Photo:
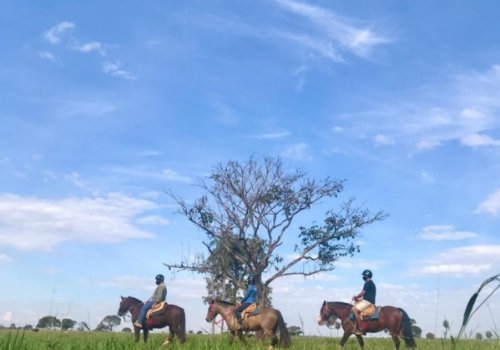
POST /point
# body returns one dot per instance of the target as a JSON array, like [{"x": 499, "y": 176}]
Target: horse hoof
[
  {"x": 166, "y": 343},
  {"x": 270, "y": 347}
]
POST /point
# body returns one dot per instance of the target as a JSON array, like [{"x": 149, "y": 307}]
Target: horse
[
  {"x": 265, "y": 323},
  {"x": 394, "y": 319},
  {"x": 171, "y": 315}
]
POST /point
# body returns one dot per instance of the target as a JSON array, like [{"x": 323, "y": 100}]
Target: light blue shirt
[{"x": 250, "y": 294}]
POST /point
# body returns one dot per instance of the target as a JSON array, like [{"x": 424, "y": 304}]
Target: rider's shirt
[
  {"x": 250, "y": 295},
  {"x": 160, "y": 293},
  {"x": 370, "y": 291}
]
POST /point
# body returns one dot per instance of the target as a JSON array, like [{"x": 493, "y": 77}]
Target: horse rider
[
  {"x": 159, "y": 295},
  {"x": 364, "y": 299},
  {"x": 249, "y": 298}
]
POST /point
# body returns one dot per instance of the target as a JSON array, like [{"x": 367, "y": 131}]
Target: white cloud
[
  {"x": 456, "y": 269},
  {"x": 461, "y": 261},
  {"x": 47, "y": 55},
  {"x": 477, "y": 140},
  {"x": 298, "y": 151},
  {"x": 172, "y": 175},
  {"x": 114, "y": 69},
  {"x": 383, "y": 140},
  {"x": 152, "y": 220},
  {"x": 89, "y": 47},
  {"x": 334, "y": 33},
  {"x": 444, "y": 232},
  {"x": 490, "y": 205},
  {"x": 5, "y": 258},
  {"x": 464, "y": 113},
  {"x": 273, "y": 135},
  {"x": 29, "y": 223},
  {"x": 54, "y": 34}
]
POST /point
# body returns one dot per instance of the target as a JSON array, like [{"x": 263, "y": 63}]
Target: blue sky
[{"x": 106, "y": 105}]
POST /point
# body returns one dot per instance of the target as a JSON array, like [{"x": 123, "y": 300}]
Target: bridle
[
  {"x": 213, "y": 313},
  {"x": 325, "y": 313}
]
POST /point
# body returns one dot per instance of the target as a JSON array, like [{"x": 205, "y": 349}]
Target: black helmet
[
  {"x": 367, "y": 274},
  {"x": 251, "y": 279},
  {"x": 159, "y": 278}
]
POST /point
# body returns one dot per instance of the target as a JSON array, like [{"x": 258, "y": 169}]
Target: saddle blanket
[
  {"x": 366, "y": 317},
  {"x": 251, "y": 310},
  {"x": 156, "y": 309}
]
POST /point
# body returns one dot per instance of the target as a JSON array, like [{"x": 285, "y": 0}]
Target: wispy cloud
[
  {"x": 89, "y": 47},
  {"x": 5, "y": 258},
  {"x": 333, "y": 33},
  {"x": 298, "y": 151},
  {"x": 61, "y": 33},
  {"x": 172, "y": 175},
  {"x": 55, "y": 34},
  {"x": 30, "y": 223},
  {"x": 114, "y": 69},
  {"x": 444, "y": 232},
  {"x": 465, "y": 113},
  {"x": 461, "y": 261},
  {"x": 490, "y": 205},
  {"x": 272, "y": 135}
]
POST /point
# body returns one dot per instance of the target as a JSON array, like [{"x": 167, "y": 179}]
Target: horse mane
[
  {"x": 341, "y": 303},
  {"x": 134, "y": 299}
]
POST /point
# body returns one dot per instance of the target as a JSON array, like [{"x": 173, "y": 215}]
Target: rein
[
  {"x": 341, "y": 313},
  {"x": 223, "y": 315}
]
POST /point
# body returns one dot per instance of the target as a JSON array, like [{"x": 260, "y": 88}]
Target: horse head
[
  {"x": 126, "y": 305},
  {"x": 326, "y": 316},
  {"x": 211, "y": 313}
]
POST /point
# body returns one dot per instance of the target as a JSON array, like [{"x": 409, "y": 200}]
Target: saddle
[
  {"x": 251, "y": 310},
  {"x": 371, "y": 313},
  {"x": 156, "y": 309}
]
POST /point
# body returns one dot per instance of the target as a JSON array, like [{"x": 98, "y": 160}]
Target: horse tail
[
  {"x": 182, "y": 326},
  {"x": 284, "y": 340},
  {"x": 407, "y": 330}
]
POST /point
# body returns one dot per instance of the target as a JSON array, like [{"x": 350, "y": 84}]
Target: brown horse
[
  {"x": 268, "y": 322},
  {"x": 394, "y": 319},
  {"x": 172, "y": 316}
]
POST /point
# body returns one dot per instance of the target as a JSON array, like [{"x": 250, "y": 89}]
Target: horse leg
[
  {"x": 231, "y": 337},
  {"x": 170, "y": 337},
  {"x": 240, "y": 335},
  {"x": 395, "y": 339},
  {"x": 137, "y": 333},
  {"x": 345, "y": 336},
  {"x": 360, "y": 341},
  {"x": 145, "y": 333}
]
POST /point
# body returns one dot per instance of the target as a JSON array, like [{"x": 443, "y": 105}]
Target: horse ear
[{"x": 122, "y": 297}]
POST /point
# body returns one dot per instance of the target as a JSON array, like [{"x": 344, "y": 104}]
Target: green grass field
[{"x": 18, "y": 340}]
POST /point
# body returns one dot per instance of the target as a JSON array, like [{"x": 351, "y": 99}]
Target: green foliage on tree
[
  {"x": 295, "y": 330},
  {"x": 108, "y": 323},
  {"x": 417, "y": 331},
  {"x": 248, "y": 211},
  {"x": 488, "y": 334},
  {"x": 478, "y": 336},
  {"x": 67, "y": 323},
  {"x": 430, "y": 336},
  {"x": 49, "y": 322}
]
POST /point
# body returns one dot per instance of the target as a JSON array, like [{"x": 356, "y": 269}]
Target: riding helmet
[
  {"x": 159, "y": 278},
  {"x": 367, "y": 273}
]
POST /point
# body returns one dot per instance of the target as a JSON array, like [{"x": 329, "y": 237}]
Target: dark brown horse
[
  {"x": 172, "y": 316},
  {"x": 269, "y": 321},
  {"x": 394, "y": 319}
]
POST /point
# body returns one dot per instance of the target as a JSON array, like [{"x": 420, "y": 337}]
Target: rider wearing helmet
[
  {"x": 159, "y": 295},
  {"x": 249, "y": 298},
  {"x": 365, "y": 298}
]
